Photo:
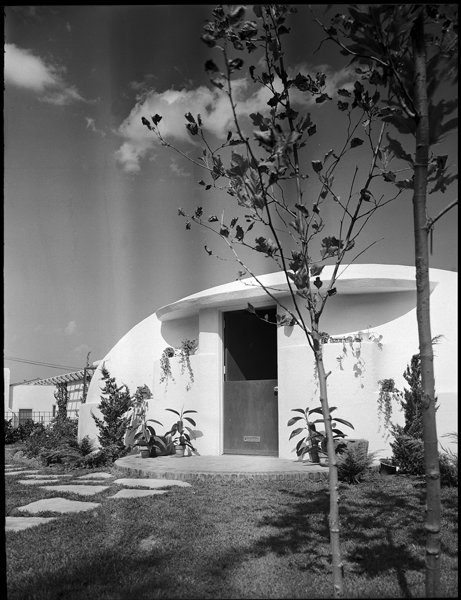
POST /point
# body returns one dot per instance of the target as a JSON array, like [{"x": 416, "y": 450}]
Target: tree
[
  {"x": 114, "y": 404},
  {"x": 410, "y": 50},
  {"x": 267, "y": 178}
]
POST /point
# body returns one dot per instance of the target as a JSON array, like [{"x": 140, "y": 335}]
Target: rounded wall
[{"x": 131, "y": 362}]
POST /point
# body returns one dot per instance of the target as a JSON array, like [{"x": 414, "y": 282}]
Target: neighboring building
[
  {"x": 249, "y": 375},
  {"x": 35, "y": 399}
]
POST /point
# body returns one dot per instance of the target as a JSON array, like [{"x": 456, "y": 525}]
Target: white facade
[{"x": 374, "y": 299}]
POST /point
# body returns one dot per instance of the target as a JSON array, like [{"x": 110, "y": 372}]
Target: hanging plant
[
  {"x": 387, "y": 393},
  {"x": 165, "y": 365},
  {"x": 188, "y": 347}
]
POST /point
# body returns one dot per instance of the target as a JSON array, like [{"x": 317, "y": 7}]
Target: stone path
[{"x": 83, "y": 486}]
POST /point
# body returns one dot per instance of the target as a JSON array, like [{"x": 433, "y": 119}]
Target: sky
[{"x": 93, "y": 243}]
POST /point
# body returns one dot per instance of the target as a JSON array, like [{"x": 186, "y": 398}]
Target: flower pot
[
  {"x": 387, "y": 469},
  {"x": 179, "y": 450},
  {"x": 145, "y": 452},
  {"x": 323, "y": 461}
]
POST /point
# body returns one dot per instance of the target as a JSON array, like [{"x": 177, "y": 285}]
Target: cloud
[
  {"x": 71, "y": 328},
  {"x": 90, "y": 124},
  {"x": 214, "y": 108},
  {"x": 25, "y": 70},
  {"x": 177, "y": 170}
]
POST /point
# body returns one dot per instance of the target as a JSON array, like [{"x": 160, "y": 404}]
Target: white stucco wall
[
  {"x": 6, "y": 388},
  {"x": 38, "y": 398},
  {"x": 375, "y": 298}
]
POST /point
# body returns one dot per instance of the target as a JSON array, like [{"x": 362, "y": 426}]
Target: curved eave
[{"x": 357, "y": 279}]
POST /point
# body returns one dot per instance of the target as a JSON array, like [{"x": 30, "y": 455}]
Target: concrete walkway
[{"x": 225, "y": 467}]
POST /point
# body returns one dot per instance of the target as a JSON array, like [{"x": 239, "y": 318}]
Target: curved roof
[{"x": 354, "y": 279}]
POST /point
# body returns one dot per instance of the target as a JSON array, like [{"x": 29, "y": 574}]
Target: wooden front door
[{"x": 250, "y": 400}]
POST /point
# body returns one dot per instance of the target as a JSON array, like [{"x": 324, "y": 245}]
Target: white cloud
[
  {"x": 71, "y": 328},
  {"x": 90, "y": 124},
  {"x": 177, "y": 170},
  {"x": 214, "y": 108},
  {"x": 25, "y": 70}
]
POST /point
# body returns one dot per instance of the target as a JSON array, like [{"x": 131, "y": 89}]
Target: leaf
[
  {"x": 396, "y": 147},
  {"x": 191, "y": 421},
  {"x": 210, "y": 67},
  {"x": 318, "y": 283},
  {"x": 322, "y": 98},
  {"x": 302, "y": 209},
  {"x": 239, "y": 233},
  {"x": 189, "y": 117},
  {"x": 156, "y": 119},
  {"x": 317, "y": 165},
  {"x": 356, "y": 142},
  {"x": 344, "y": 422},
  {"x": 300, "y": 410},
  {"x": 146, "y": 123},
  {"x": 296, "y": 432},
  {"x": 251, "y": 308},
  {"x": 212, "y": 219},
  {"x": 173, "y": 411},
  {"x": 343, "y": 92},
  {"x": 210, "y": 252}
]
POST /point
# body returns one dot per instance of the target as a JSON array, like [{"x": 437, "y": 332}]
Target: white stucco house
[
  {"x": 35, "y": 399},
  {"x": 248, "y": 375}
]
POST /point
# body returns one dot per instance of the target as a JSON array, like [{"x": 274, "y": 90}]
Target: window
[{"x": 24, "y": 415}]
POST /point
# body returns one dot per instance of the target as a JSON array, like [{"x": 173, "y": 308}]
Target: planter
[
  {"x": 145, "y": 452},
  {"x": 324, "y": 461},
  {"x": 179, "y": 450},
  {"x": 314, "y": 455},
  {"x": 387, "y": 469}
]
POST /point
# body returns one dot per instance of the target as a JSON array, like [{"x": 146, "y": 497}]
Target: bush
[
  {"x": 408, "y": 453},
  {"x": 114, "y": 404},
  {"x": 448, "y": 461},
  {"x": 86, "y": 446},
  {"x": 104, "y": 457},
  {"x": 53, "y": 443},
  {"x": 354, "y": 463},
  {"x": 11, "y": 434}
]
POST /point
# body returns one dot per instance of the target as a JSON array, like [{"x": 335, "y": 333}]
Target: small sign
[{"x": 251, "y": 438}]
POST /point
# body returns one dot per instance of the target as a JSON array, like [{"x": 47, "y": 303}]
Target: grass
[{"x": 240, "y": 539}]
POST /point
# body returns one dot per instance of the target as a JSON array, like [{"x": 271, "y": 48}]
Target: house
[
  {"x": 35, "y": 399},
  {"x": 247, "y": 375}
]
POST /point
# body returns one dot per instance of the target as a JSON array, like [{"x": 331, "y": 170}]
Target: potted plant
[
  {"x": 387, "y": 466},
  {"x": 180, "y": 434},
  {"x": 315, "y": 442},
  {"x": 139, "y": 432}
]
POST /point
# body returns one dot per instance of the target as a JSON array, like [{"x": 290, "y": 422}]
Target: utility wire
[{"x": 42, "y": 364}]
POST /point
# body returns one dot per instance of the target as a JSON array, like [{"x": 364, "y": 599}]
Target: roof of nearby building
[
  {"x": 352, "y": 279},
  {"x": 66, "y": 378}
]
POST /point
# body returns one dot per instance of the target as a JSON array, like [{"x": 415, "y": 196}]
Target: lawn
[{"x": 240, "y": 539}]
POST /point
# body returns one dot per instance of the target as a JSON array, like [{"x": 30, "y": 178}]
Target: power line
[{"x": 41, "y": 364}]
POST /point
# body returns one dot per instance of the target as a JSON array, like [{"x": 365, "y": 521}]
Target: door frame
[{"x": 236, "y": 306}]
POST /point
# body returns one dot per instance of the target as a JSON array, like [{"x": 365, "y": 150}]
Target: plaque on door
[{"x": 251, "y": 438}]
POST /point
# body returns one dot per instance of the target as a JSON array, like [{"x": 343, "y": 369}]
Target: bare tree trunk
[
  {"x": 431, "y": 456},
  {"x": 337, "y": 565}
]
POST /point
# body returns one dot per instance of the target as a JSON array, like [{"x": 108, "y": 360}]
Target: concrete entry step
[{"x": 227, "y": 466}]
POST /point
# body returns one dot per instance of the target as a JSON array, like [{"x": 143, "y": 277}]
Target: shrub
[
  {"x": 60, "y": 434},
  {"x": 354, "y": 463},
  {"x": 448, "y": 461},
  {"x": 114, "y": 404},
  {"x": 86, "y": 446},
  {"x": 408, "y": 453},
  {"x": 102, "y": 458},
  {"x": 11, "y": 434}
]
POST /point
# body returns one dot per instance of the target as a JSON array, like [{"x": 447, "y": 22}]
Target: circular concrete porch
[{"x": 225, "y": 467}]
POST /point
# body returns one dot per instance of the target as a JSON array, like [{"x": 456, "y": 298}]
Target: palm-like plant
[
  {"x": 181, "y": 431},
  {"x": 311, "y": 442}
]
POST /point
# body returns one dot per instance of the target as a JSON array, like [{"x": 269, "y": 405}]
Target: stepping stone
[
  {"x": 96, "y": 476},
  {"x": 21, "y": 523},
  {"x": 36, "y": 481},
  {"x": 137, "y": 493},
  {"x": 82, "y": 490},
  {"x": 21, "y": 472},
  {"x": 61, "y": 505},
  {"x": 151, "y": 483}
]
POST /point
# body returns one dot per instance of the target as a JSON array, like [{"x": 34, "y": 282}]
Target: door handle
[{"x": 276, "y": 390}]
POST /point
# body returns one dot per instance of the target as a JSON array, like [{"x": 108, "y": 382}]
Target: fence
[{"x": 37, "y": 417}]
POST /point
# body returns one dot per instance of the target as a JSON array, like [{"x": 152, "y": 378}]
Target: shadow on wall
[
  {"x": 175, "y": 331},
  {"x": 366, "y": 310}
]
